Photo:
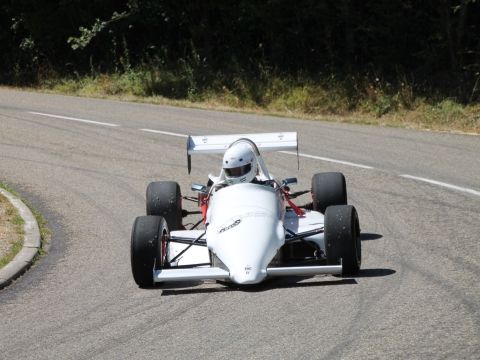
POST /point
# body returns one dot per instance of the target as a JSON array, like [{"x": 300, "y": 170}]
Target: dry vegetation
[
  {"x": 11, "y": 231},
  {"x": 375, "y": 102}
]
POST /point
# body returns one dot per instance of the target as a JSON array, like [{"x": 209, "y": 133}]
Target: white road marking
[
  {"x": 73, "y": 119},
  {"x": 164, "y": 133},
  {"x": 434, "y": 182},
  {"x": 327, "y": 159},
  {"x": 439, "y": 183}
]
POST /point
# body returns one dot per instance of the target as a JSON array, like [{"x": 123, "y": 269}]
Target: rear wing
[{"x": 218, "y": 144}]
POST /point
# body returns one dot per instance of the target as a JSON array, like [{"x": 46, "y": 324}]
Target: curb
[{"x": 31, "y": 243}]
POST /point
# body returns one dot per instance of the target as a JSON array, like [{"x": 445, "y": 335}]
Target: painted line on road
[
  {"x": 348, "y": 163},
  {"x": 327, "y": 159},
  {"x": 439, "y": 183},
  {"x": 73, "y": 119},
  {"x": 283, "y": 152},
  {"x": 164, "y": 133}
]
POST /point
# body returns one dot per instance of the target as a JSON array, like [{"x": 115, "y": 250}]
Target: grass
[
  {"x": 352, "y": 100},
  {"x": 14, "y": 250},
  {"x": 12, "y": 224},
  {"x": 18, "y": 221}
]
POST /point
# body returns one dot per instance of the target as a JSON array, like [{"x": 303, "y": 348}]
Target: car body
[{"x": 252, "y": 231}]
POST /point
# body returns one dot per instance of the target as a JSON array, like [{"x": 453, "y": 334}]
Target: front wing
[{"x": 215, "y": 273}]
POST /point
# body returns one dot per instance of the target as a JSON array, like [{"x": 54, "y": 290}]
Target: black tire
[
  {"x": 328, "y": 189},
  {"x": 342, "y": 240},
  {"x": 165, "y": 199},
  {"x": 146, "y": 253}
]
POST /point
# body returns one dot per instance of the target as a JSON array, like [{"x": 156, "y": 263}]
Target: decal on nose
[{"x": 228, "y": 227}]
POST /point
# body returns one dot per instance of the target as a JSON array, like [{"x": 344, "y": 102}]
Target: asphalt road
[{"x": 417, "y": 297}]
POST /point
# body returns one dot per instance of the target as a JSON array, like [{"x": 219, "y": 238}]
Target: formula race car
[{"x": 252, "y": 228}]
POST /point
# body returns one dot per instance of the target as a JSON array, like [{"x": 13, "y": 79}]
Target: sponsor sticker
[
  {"x": 235, "y": 221},
  {"x": 228, "y": 227}
]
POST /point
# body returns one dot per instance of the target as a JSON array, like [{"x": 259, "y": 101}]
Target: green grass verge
[
  {"x": 18, "y": 221},
  {"x": 349, "y": 100},
  {"x": 16, "y": 241},
  {"x": 14, "y": 250}
]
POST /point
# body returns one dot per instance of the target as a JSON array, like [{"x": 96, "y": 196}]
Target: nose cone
[
  {"x": 248, "y": 275},
  {"x": 245, "y": 231}
]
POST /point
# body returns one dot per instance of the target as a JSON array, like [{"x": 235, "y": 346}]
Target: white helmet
[{"x": 239, "y": 164}]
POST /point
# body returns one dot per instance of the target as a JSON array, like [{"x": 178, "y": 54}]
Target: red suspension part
[
  {"x": 203, "y": 202},
  {"x": 295, "y": 208}
]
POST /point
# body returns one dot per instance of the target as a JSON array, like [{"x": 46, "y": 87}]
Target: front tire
[
  {"x": 342, "y": 240},
  {"x": 328, "y": 189},
  {"x": 147, "y": 251},
  {"x": 165, "y": 199}
]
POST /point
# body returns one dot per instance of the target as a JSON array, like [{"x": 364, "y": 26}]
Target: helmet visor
[{"x": 238, "y": 171}]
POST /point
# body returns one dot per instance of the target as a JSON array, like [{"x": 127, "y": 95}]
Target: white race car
[{"x": 252, "y": 229}]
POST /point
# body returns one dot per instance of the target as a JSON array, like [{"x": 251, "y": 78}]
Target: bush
[
  {"x": 447, "y": 112},
  {"x": 302, "y": 95}
]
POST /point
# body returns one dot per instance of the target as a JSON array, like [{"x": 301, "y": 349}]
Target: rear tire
[
  {"x": 328, "y": 189},
  {"x": 147, "y": 249},
  {"x": 165, "y": 199},
  {"x": 342, "y": 240}
]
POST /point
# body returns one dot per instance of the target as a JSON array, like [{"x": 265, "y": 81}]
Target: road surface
[{"x": 85, "y": 165}]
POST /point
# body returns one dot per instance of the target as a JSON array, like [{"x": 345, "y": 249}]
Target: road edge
[{"x": 31, "y": 242}]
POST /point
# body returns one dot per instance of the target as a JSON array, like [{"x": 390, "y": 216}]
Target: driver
[{"x": 240, "y": 164}]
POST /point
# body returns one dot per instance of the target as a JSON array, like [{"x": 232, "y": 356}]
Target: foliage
[
  {"x": 191, "y": 48},
  {"x": 86, "y": 35},
  {"x": 291, "y": 96}
]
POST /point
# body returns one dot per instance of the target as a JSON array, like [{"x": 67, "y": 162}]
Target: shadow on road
[
  {"x": 199, "y": 287},
  {"x": 270, "y": 284},
  {"x": 366, "y": 273},
  {"x": 370, "y": 236}
]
